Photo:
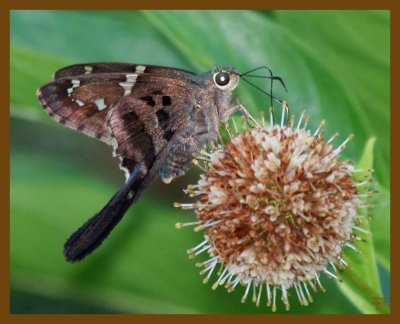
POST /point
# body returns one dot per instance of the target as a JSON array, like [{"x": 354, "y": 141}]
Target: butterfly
[{"x": 156, "y": 119}]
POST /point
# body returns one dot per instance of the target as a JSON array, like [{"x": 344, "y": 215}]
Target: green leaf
[
  {"x": 380, "y": 226},
  {"x": 380, "y": 213},
  {"x": 367, "y": 158},
  {"x": 361, "y": 283}
]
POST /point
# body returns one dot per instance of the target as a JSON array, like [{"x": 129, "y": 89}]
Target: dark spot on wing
[
  {"x": 168, "y": 134},
  {"x": 162, "y": 117},
  {"x": 149, "y": 99},
  {"x": 130, "y": 117},
  {"x": 166, "y": 101},
  {"x": 137, "y": 142}
]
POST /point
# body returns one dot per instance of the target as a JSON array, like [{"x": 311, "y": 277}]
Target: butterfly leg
[{"x": 235, "y": 105}]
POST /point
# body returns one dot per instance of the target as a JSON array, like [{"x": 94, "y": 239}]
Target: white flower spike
[{"x": 277, "y": 207}]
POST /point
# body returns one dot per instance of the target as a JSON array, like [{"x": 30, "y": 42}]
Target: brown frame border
[{"x": 6, "y": 6}]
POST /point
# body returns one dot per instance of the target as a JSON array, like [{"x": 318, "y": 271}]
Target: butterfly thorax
[{"x": 213, "y": 101}]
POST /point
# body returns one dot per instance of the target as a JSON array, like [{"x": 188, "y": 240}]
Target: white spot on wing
[
  {"x": 140, "y": 69},
  {"x": 131, "y": 79},
  {"x": 75, "y": 84},
  {"x": 80, "y": 103},
  {"x": 88, "y": 69},
  {"x": 126, "y": 85},
  {"x": 100, "y": 104},
  {"x": 127, "y": 92}
]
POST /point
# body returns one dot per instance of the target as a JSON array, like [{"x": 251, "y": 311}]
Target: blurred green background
[{"x": 335, "y": 64}]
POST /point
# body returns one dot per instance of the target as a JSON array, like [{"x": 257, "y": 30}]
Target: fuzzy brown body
[{"x": 156, "y": 118}]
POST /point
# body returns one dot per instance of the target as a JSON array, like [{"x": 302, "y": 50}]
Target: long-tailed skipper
[{"x": 156, "y": 118}]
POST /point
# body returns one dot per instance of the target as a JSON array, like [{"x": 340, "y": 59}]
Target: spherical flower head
[{"x": 277, "y": 207}]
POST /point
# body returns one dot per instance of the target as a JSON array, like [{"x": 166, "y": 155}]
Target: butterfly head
[{"x": 225, "y": 78}]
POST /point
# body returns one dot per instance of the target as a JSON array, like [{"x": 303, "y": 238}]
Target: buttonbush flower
[{"x": 278, "y": 207}]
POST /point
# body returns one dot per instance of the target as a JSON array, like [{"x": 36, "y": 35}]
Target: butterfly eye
[{"x": 222, "y": 79}]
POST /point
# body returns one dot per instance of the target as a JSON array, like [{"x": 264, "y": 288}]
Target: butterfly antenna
[
  {"x": 270, "y": 76},
  {"x": 263, "y": 91}
]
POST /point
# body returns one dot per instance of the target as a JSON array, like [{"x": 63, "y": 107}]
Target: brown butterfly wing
[
  {"x": 138, "y": 114},
  {"x": 83, "y": 102},
  {"x": 143, "y": 123}
]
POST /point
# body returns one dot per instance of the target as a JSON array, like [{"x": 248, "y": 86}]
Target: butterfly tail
[{"x": 91, "y": 234}]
